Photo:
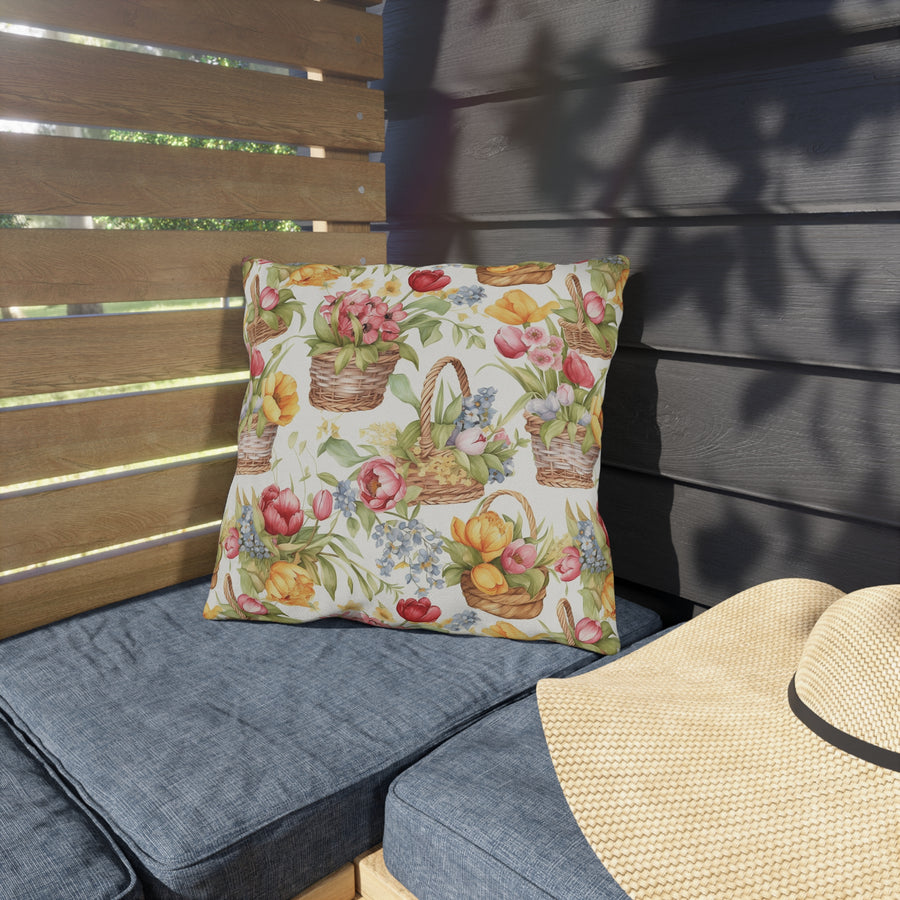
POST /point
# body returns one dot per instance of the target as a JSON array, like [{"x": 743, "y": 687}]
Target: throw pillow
[{"x": 420, "y": 448}]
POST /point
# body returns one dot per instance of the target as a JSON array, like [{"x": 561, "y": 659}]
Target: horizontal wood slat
[
  {"x": 46, "y": 355},
  {"x": 771, "y": 289},
  {"x": 30, "y": 602},
  {"x": 55, "y": 81},
  {"x": 43, "y": 175},
  {"x": 826, "y": 441},
  {"x": 70, "y": 520},
  {"x": 473, "y": 48},
  {"x": 705, "y": 545},
  {"x": 812, "y": 137},
  {"x": 295, "y": 33},
  {"x": 43, "y": 267},
  {"x": 70, "y": 438}
]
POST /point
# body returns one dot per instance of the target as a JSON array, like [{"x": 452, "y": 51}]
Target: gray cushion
[
  {"x": 483, "y": 817},
  {"x": 50, "y": 847},
  {"x": 248, "y": 760}
]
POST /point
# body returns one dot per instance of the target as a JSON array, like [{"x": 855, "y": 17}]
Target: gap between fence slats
[
  {"x": 71, "y": 438},
  {"x": 41, "y": 175},
  {"x": 70, "y": 520},
  {"x": 29, "y": 602},
  {"x": 63, "y": 354},
  {"x": 43, "y": 267},
  {"x": 294, "y": 33},
  {"x": 55, "y": 81}
]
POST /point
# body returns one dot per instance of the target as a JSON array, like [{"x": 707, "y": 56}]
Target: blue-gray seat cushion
[
  {"x": 483, "y": 817},
  {"x": 249, "y": 760},
  {"x": 50, "y": 847}
]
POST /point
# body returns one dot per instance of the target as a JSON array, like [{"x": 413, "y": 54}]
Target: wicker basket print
[
  {"x": 349, "y": 390},
  {"x": 516, "y": 603},
  {"x": 254, "y": 452},
  {"x": 258, "y": 330},
  {"x": 577, "y": 334},
  {"x": 433, "y": 490},
  {"x": 562, "y": 464}
]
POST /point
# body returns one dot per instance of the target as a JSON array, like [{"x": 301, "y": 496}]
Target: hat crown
[{"x": 849, "y": 671}]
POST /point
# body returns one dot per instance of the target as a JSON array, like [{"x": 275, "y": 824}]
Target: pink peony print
[{"x": 381, "y": 486}]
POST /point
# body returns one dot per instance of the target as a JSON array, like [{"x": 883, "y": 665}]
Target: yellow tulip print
[{"x": 518, "y": 308}]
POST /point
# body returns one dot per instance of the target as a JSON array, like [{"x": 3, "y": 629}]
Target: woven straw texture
[{"x": 708, "y": 786}]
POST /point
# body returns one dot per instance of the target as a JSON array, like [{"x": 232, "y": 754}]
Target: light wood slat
[
  {"x": 471, "y": 48},
  {"x": 770, "y": 289},
  {"x": 43, "y": 175},
  {"x": 812, "y": 137},
  {"x": 826, "y": 440},
  {"x": 46, "y": 355},
  {"x": 70, "y": 520},
  {"x": 70, "y": 438},
  {"x": 30, "y": 602},
  {"x": 55, "y": 81},
  {"x": 705, "y": 545},
  {"x": 43, "y": 267},
  {"x": 325, "y": 224},
  {"x": 295, "y": 33},
  {"x": 339, "y": 885},
  {"x": 375, "y": 881}
]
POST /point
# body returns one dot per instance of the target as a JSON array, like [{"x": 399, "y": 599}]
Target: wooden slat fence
[{"x": 141, "y": 507}]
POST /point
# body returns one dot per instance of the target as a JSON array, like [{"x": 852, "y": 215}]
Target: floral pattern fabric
[{"x": 420, "y": 448}]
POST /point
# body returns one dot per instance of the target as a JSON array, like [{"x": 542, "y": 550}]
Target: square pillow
[{"x": 420, "y": 448}]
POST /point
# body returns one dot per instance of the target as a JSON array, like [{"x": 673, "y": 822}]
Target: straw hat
[{"x": 753, "y": 752}]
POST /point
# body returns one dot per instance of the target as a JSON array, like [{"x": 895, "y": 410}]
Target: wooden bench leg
[{"x": 374, "y": 882}]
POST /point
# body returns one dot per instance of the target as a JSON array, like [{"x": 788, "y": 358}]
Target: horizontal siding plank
[
  {"x": 294, "y": 33},
  {"x": 706, "y": 546},
  {"x": 44, "y": 267},
  {"x": 784, "y": 288},
  {"x": 70, "y": 520},
  {"x": 41, "y": 175},
  {"x": 47, "y": 355},
  {"x": 55, "y": 81},
  {"x": 816, "y": 137},
  {"x": 821, "y": 439},
  {"x": 71, "y": 438},
  {"x": 469, "y": 48},
  {"x": 31, "y": 602}
]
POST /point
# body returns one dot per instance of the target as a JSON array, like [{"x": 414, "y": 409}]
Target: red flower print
[
  {"x": 578, "y": 371},
  {"x": 257, "y": 363},
  {"x": 588, "y": 631},
  {"x": 518, "y": 557},
  {"x": 418, "y": 609},
  {"x": 425, "y": 280},
  {"x": 322, "y": 504},
  {"x": 594, "y": 306},
  {"x": 380, "y": 484},
  {"x": 232, "y": 543},
  {"x": 268, "y": 298},
  {"x": 281, "y": 511},
  {"x": 251, "y": 605},
  {"x": 568, "y": 566},
  {"x": 509, "y": 341}
]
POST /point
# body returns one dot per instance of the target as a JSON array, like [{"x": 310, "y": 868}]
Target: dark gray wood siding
[{"x": 746, "y": 157}]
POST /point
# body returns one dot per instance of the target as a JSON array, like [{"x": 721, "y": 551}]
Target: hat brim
[{"x": 690, "y": 776}]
